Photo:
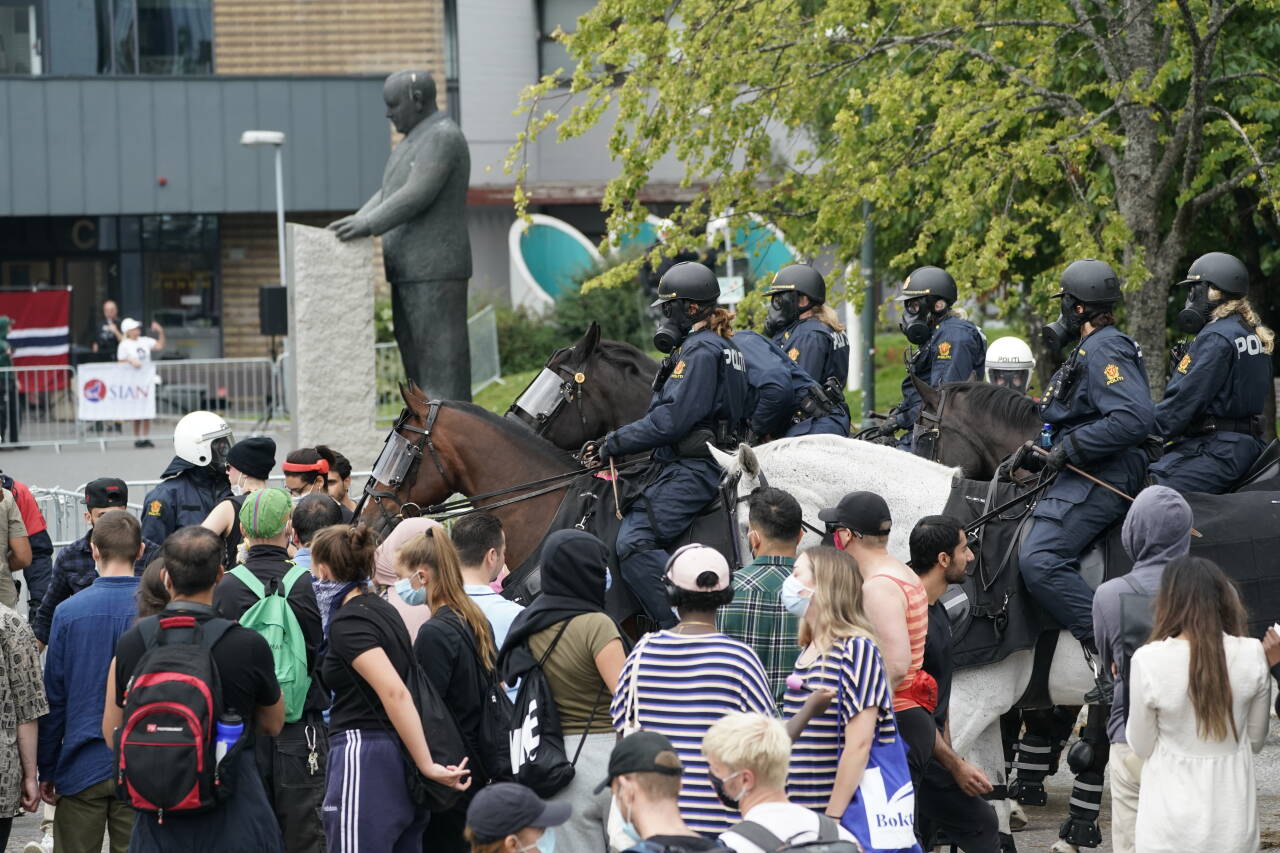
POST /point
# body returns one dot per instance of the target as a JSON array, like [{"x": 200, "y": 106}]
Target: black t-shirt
[
  {"x": 937, "y": 658},
  {"x": 365, "y": 622},
  {"x": 451, "y": 665},
  {"x": 233, "y": 538},
  {"x": 246, "y": 667}
]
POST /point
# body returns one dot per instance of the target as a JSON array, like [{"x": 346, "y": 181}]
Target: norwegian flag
[{"x": 39, "y": 335}]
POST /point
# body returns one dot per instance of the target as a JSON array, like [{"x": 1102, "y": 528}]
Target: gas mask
[
  {"x": 1191, "y": 319},
  {"x": 914, "y": 321},
  {"x": 675, "y": 326},
  {"x": 1066, "y": 328},
  {"x": 784, "y": 308}
]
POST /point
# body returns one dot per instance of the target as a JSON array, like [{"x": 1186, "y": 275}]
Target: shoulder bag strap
[
  {"x": 828, "y": 829},
  {"x": 563, "y": 626},
  {"x": 631, "y": 720},
  {"x": 595, "y": 706},
  {"x": 758, "y": 835},
  {"x": 465, "y": 630},
  {"x": 246, "y": 577},
  {"x": 290, "y": 578}
]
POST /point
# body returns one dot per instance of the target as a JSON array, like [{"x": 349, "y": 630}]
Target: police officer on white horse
[
  {"x": 1010, "y": 364},
  {"x": 1211, "y": 413}
]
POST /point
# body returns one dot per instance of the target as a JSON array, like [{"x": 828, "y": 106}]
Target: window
[
  {"x": 563, "y": 14},
  {"x": 19, "y": 40},
  {"x": 165, "y": 37},
  {"x": 452, "y": 91}
]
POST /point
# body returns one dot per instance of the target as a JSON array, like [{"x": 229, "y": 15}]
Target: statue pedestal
[{"x": 330, "y": 348}]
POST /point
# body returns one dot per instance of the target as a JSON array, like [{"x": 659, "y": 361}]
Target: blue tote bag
[{"x": 882, "y": 814}]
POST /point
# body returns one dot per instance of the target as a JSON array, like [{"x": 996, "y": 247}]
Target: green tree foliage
[{"x": 1000, "y": 139}]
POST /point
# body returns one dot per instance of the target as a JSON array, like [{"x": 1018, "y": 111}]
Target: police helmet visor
[
  {"x": 1005, "y": 377},
  {"x": 914, "y": 304},
  {"x": 540, "y": 400},
  {"x": 393, "y": 463},
  {"x": 219, "y": 448}
]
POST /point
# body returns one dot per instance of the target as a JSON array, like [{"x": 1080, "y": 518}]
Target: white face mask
[{"x": 237, "y": 488}]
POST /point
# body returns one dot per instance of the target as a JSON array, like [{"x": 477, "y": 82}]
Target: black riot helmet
[
  {"x": 684, "y": 284},
  {"x": 783, "y": 293},
  {"x": 1217, "y": 270},
  {"x": 1089, "y": 282},
  {"x": 920, "y": 291}
]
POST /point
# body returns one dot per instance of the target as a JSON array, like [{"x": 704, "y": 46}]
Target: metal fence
[{"x": 38, "y": 406}]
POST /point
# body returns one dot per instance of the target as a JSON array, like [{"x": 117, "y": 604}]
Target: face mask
[
  {"x": 795, "y": 596},
  {"x": 237, "y": 488},
  {"x": 783, "y": 311},
  {"x": 1192, "y": 318},
  {"x": 629, "y": 828},
  {"x": 1066, "y": 328},
  {"x": 409, "y": 595},
  {"x": 608, "y": 579},
  {"x": 545, "y": 844},
  {"x": 675, "y": 326},
  {"x": 718, "y": 784},
  {"x": 914, "y": 322}
]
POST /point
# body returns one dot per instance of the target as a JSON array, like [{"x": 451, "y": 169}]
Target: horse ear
[
  {"x": 590, "y": 340},
  {"x": 926, "y": 391},
  {"x": 407, "y": 390},
  {"x": 726, "y": 461},
  {"x": 747, "y": 458}
]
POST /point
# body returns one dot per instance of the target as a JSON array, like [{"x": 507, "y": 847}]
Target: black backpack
[
  {"x": 165, "y": 760},
  {"x": 537, "y": 754},
  {"x": 828, "y": 840},
  {"x": 1137, "y": 618},
  {"x": 492, "y": 747}
]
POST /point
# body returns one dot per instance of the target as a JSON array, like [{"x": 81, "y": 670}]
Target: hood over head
[{"x": 1157, "y": 528}]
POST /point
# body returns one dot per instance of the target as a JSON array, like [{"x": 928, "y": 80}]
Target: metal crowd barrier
[{"x": 38, "y": 406}]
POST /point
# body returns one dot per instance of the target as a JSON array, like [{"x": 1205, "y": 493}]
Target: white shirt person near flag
[{"x": 135, "y": 349}]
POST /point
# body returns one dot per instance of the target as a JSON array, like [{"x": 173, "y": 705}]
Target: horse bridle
[
  {"x": 415, "y": 450},
  {"x": 925, "y": 441},
  {"x": 571, "y": 390}
]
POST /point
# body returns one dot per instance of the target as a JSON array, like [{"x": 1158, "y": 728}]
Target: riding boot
[
  {"x": 1087, "y": 758},
  {"x": 1103, "y": 685}
]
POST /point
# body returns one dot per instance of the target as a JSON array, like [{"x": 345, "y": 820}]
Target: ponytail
[
  {"x": 346, "y": 551},
  {"x": 1242, "y": 307},
  {"x": 721, "y": 322},
  {"x": 827, "y": 314}
]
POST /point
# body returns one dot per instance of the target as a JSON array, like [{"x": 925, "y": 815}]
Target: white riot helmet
[
  {"x": 1010, "y": 363},
  {"x": 203, "y": 438}
]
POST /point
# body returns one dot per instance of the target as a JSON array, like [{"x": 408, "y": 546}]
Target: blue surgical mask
[
  {"x": 545, "y": 844},
  {"x": 409, "y": 595},
  {"x": 629, "y": 828},
  {"x": 795, "y": 596}
]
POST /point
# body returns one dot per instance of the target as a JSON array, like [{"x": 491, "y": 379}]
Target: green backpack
[{"x": 273, "y": 618}]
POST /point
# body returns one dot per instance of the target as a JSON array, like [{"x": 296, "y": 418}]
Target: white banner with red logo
[{"x": 114, "y": 391}]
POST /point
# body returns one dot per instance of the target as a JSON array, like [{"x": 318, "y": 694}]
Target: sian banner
[{"x": 115, "y": 391}]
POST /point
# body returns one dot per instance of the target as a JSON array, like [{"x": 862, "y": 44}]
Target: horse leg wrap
[
  {"x": 1006, "y": 843},
  {"x": 1032, "y": 765},
  {"x": 1081, "y": 825},
  {"x": 1062, "y": 719}
]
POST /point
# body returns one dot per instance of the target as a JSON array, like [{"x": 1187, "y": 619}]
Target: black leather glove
[
  {"x": 888, "y": 429},
  {"x": 1055, "y": 461},
  {"x": 593, "y": 453}
]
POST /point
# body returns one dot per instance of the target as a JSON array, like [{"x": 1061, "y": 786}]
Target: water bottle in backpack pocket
[
  {"x": 273, "y": 618},
  {"x": 166, "y": 759}
]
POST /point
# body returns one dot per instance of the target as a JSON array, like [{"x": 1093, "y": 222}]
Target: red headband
[{"x": 320, "y": 465}]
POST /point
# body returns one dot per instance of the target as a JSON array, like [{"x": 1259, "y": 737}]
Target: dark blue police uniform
[
  {"x": 820, "y": 351},
  {"x": 781, "y": 386},
  {"x": 187, "y": 496},
  {"x": 707, "y": 390},
  {"x": 1211, "y": 409},
  {"x": 956, "y": 350},
  {"x": 1100, "y": 408}
]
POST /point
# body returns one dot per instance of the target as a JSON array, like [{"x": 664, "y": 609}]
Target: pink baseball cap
[{"x": 688, "y": 564}]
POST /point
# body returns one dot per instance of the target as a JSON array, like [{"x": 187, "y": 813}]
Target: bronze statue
[{"x": 420, "y": 212}]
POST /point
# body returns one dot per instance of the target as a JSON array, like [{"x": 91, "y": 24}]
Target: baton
[
  {"x": 1097, "y": 482},
  {"x": 617, "y": 504}
]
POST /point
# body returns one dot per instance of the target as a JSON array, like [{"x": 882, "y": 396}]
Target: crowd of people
[{"x": 803, "y": 697}]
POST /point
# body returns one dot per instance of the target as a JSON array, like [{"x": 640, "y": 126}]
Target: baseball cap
[
  {"x": 265, "y": 512},
  {"x": 689, "y": 563},
  {"x": 503, "y": 808},
  {"x": 642, "y": 752},
  {"x": 106, "y": 491},
  {"x": 865, "y": 513},
  {"x": 129, "y": 325}
]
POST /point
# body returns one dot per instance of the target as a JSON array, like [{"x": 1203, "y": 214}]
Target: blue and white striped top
[
  {"x": 854, "y": 670},
  {"x": 685, "y": 682}
]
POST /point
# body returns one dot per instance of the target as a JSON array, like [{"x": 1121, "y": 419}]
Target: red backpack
[{"x": 165, "y": 759}]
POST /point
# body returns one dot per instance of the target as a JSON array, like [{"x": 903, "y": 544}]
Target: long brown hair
[
  {"x": 1198, "y": 603},
  {"x": 435, "y": 552},
  {"x": 836, "y": 605},
  {"x": 721, "y": 322}
]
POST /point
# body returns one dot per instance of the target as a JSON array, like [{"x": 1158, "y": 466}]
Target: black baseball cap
[
  {"x": 106, "y": 491},
  {"x": 504, "y": 808},
  {"x": 865, "y": 513},
  {"x": 642, "y": 752}
]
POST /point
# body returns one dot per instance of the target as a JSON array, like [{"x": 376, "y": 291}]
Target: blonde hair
[
  {"x": 752, "y": 742},
  {"x": 1242, "y": 307},
  {"x": 434, "y": 550},
  {"x": 827, "y": 314},
  {"x": 721, "y": 322},
  {"x": 837, "y": 600},
  {"x": 484, "y": 846}
]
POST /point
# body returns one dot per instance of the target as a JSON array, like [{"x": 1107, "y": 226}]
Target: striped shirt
[
  {"x": 853, "y": 669},
  {"x": 917, "y": 633},
  {"x": 683, "y": 684}
]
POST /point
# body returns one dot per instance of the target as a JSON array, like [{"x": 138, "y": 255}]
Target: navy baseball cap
[
  {"x": 504, "y": 808},
  {"x": 106, "y": 491}
]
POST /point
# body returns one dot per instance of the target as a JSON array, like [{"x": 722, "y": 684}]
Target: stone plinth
[{"x": 331, "y": 338}]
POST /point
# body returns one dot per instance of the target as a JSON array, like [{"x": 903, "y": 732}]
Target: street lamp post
[{"x": 274, "y": 138}]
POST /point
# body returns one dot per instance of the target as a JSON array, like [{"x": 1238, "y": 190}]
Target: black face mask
[
  {"x": 914, "y": 322},
  {"x": 1066, "y": 328},
  {"x": 717, "y": 784},
  {"x": 783, "y": 311},
  {"x": 1192, "y": 318},
  {"x": 675, "y": 326}
]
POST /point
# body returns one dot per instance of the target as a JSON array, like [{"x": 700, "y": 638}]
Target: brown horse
[{"x": 440, "y": 448}]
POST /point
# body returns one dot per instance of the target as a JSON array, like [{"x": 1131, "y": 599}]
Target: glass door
[{"x": 19, "y": 39}]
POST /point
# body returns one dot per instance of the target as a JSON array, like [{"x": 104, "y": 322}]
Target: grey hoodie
[{"x": 1157, "y": 529}]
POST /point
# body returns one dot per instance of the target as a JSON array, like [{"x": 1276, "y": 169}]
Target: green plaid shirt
[{"x": 756, "y": 617}]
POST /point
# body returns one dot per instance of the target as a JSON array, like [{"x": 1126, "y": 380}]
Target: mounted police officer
[
  {"x": 1010, "y": 364},
  {"x": 1099, "y": 407},
  {"x": 950, "y": 349},
  {"x": 195, "y": 481},
  {"x": 788, "y": 401},
  {"x": 701, "y": 395},
  {"x": 806, "y": 328},
  {"x": 1212, "y": 409}
]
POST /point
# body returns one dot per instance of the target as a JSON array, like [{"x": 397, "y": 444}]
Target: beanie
[{"x": 254, "y": 457}]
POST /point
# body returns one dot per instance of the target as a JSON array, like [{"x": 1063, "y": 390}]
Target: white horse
[{"x": 818, "y": 471}]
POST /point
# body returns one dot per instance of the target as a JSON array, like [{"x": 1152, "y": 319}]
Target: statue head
[{"x": 410, "y": 97}]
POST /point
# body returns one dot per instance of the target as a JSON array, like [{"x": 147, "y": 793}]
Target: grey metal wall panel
[
  {"x": 98, "y": 145},
  {"x": 29, "y": 147},
  {"x": 101, "y": 153},
  {"x": 173, "y": 154}
]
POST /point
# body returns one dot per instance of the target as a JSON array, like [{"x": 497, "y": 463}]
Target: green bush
[{"x": 525, "y": 340}]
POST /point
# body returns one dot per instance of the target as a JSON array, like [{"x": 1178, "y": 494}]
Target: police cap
[
  {"x": 688, "y": 280},
  {"x": 801, "y": 278},
  {"x": 929, "y": 281},
  {"x": 1223, "y": 271},
  {"x": 1091, "y": 281}
]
